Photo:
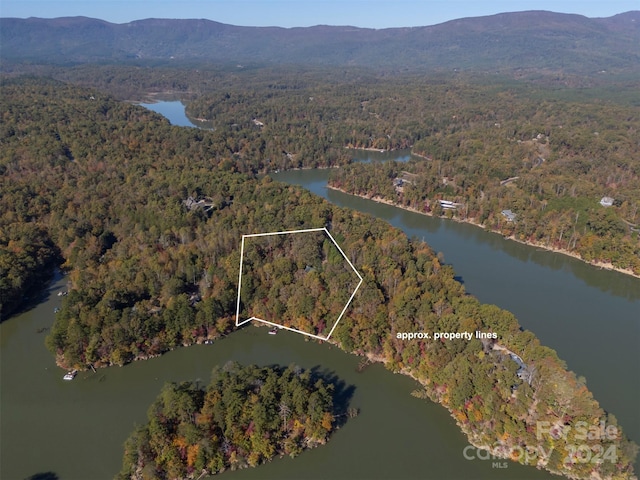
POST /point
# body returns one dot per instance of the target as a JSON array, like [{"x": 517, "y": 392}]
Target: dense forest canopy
[
  {"x": 106, "y": 186},
  {"x": 296, "y": 280},
  {"x": 553, "y": 165},
  {"x": 548, "y": 156},
  {"x": 245, "y": 416}
]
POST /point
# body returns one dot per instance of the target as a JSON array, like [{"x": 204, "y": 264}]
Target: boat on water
[
  {"x": 273, "y": 331},
  {"x": 70, "y": 375}
]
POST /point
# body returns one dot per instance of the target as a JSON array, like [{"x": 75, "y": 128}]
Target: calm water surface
[
  {"x": 590, "y": 316},
  {"x": 174, "y": 111},
  {"x": 76, "y": 429}
]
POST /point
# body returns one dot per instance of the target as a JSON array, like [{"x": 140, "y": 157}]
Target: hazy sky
[{"x": 301, "y": 13}]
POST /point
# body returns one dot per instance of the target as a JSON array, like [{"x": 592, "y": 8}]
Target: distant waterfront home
[
  {"x": 446, "y": 204},
  {"x": 606, "y": 201},
  {"x": 509, "y": 215}
]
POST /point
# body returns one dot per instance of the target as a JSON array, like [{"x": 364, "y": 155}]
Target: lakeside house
[
  {"x": 509, "y": 215},
  {"x": 524, "y": 373},
  {"x": 606, "y": 201},
  {"x": 448, "y": 205},
  {"x": 205, "y": 204},
  {"x": 405, "y": 178},
  {"x": 398, "y": 185}
]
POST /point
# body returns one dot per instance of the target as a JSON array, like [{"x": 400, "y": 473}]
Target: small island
[{"x": 246, "y": 416}]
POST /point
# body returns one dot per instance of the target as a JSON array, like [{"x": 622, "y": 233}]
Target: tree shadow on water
[
  {"x": 342, "y": 394},
  {"x": 41, "y": 292},
  {"x": 44, "y": 476}
]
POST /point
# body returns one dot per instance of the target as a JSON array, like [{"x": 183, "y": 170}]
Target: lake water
[
  {"x": 591, "y": 317},
  {"x": 174, "y": 111},
  {"x": 75, "y": 430}
]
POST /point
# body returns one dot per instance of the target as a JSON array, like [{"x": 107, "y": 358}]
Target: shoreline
[
  {"x": 473, "y": 437},
  {"x": 497, "y": 449},
  {"x": 380, "y": 150},
  {"x": 600, "y": 265},
  {"x": 368, "y": 149}
]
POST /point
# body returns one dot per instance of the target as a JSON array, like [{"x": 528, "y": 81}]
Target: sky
[{"x": 304, "y": 13}]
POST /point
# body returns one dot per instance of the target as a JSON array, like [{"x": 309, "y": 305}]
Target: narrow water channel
[
  {"x": 591, "y": 317},
  {"x": 75, "y": 430}
]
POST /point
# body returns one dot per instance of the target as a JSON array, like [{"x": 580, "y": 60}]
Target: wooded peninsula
[{"x": 102, "y": 188}]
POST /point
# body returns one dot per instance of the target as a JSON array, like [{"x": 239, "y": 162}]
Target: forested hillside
[
  {"x": 561, "y": 175},
  {"x": 298, "y": 280},
  {"x": 245, "y": 416},
  {"x": 518, "y": 43},
  {"x": 108, "y": 185},
  {"x": 547, "y": 157}
]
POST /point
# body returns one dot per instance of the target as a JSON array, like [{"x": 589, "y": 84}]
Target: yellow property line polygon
[{"x": 323, "y": 229}]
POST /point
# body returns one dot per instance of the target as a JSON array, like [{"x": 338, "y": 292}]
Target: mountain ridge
[{"x": 533, "y": 39}]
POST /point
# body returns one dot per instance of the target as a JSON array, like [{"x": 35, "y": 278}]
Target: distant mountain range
[{"x": 508, "y": 41}]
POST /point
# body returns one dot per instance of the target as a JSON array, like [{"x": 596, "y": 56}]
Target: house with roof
[
  {"x": 448, "y": 205},
  {"x": 606, "y": 201},
  {"x": 509, "y": 215}
]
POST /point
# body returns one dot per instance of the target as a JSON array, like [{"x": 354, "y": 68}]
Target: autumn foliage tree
[{"x": 246, "y": 416}]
